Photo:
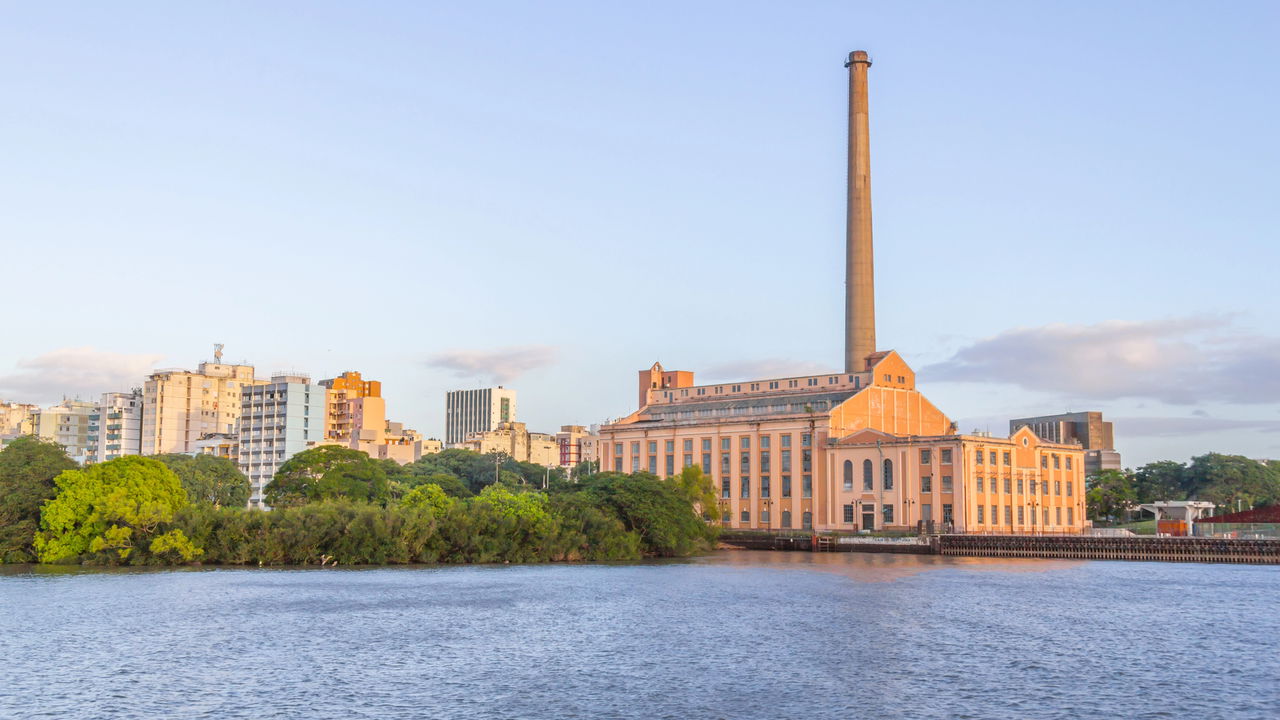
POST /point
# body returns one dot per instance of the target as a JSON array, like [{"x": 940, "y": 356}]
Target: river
[{"x": 732, "y": 635}]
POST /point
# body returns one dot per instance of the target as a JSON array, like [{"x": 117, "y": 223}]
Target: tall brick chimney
[{"x": 860, "y": 294}]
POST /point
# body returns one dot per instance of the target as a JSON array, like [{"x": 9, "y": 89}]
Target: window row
[{"x": 765, "y": 487}]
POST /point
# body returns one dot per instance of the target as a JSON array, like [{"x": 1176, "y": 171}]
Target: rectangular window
[
  {"x": 635, "y": 463},
  {"x": 1057, "y": 516},
  {"x": 706, "y": 463},
  {"x": 725, "y": 516},
  {"x": 946, "y": 513},
  {"x": 688, "y": 445},
  {"x": 1044, "y": 461},
  {"x": 764, "y": 461},
  {"x": 724, "y": 464},
  {"x": 946, "y": 456},
  {"x": 785, "y": 440},
  {"x": 785, "y": 465},
  {"x": 671, "y": 465},
  {"x": 1057, "y": 487},
  {"x": 887, "y": 511},
  {"x": 806, "y": 460},
  {"x": 706, "y": 445},
  {"x": 981, "y": 521},
  {"x": 725, "y": 444},
  {"x": 617, "y": 448},
  {"x": 688, "y": 461},
  {"x": 979, "y": 488},
  {"x": 786, "y": 486},
  {"x": 1071, "y": 516},
  {"x": 635, "y": 448},
  {"x": 744, "y": 442},
  {"x": 979, "y": 456},
  {"x": 1068, "y": 488},
  {"x": 924, "y": 457},
  {"x": 724, "y": 487},
  {"x": 653, "y": 464},
  {"x": 806, "y": 440},
  {"x": 764, "y": 442},
  {"x": 993, "y": 457},
  {"x": 995, "y": 514},
  {"x": 1068, "y": 462},
  {"x": 1046, "y": 516},
  {"x": 848, "y": 514},
  {"x": 1057, "y": 462},
  {"x": 670, "y": 446},
  {"x": 1008, "y": 485},
  {"x": 1022, "y": 519},
  {"x": 1008, "y": 514},
  {"x": 947, "y": 485},
  {"x": 786, "y": 519},
  {"x": 806, "y": 486},
  {"x": 746, "y": 487},
  {"x": 1007, "y": 458},
  {"x": 653, "y": 447},
  {"x": 746, "y": 516},
  {"x": 926, "y": 483},
  {"x": 744, "y": 463},
  {"x": 1019, "y": 486},
  {"x": 764, "y": 486},
  {"x": 926, "y": 512},
  {"x": 617, "y": 463}
]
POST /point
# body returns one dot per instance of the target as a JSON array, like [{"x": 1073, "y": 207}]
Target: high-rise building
[
  {"x": 1086, "y": 429},
  {"x": 277, "y": 420},
  {"x": 356, "y": 417},
  {"x": 472, "y": 411},
  {"x": 115, "y": 428},
  {"x": 181, "y": 406},
  {"x": 66, "y": 423}
]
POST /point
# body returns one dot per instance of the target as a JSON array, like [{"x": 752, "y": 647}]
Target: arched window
[
  {"x": 888, "y": 474},
  {"x": 848, "y": 474},
  {"x": 867, "y": 475}
]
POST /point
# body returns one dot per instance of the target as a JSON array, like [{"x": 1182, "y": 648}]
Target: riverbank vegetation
[
  {"x": 1229, "y": 481},
  {"x": 335, "y": 505}
]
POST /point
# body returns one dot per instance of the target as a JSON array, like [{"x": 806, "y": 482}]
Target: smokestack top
[{"x": 858, "y": 56}]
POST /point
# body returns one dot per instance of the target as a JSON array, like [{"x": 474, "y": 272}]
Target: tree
[
  {"x": 1163, "y": 480},
  {"x": 108, "y": 509},
  {"x": 430, "y": 496},
  {"x": 658, "y": 511},
  {"x": 1110, "y": 493},
  {"x": 697, "y": 489},
  {"x": 328, "y": 472},
  {"x": 1232, "y": 481},
  {"x": 28, "y": 467},
  {"x": 452, "y": 486},
  {"x": 207, "y": 479}
]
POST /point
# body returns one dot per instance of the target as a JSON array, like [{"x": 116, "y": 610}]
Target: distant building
[
  {"x": 1086, "y": 429},
  {"x": 1178, "y": 518},
  {"x": 515, "y": 440},
  {"x": 223, "y": 445},
  {"x": 472, "y": 411},
  {"x": 180, "y": 406},
  {"x": 356, "y": 417},
  {"x": 115, "y": 428},
  {"x": 277, "y": 421},
  {"x": 577, "y": 445},
  {"x": 15, "y": 419},
  {"x": 67, "y": 424}
]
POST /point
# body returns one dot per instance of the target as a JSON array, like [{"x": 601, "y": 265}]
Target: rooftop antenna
[{"x": 217, "y": 353}]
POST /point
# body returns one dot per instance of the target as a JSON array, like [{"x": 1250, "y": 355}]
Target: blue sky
[{"x": 1075, "y": 203}]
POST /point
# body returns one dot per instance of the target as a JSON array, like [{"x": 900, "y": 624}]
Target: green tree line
[
  {"x": 337, "y": 505},
  {"x": 1228, "y": 481}
]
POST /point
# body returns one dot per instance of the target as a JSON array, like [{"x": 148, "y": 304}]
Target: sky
[{"x": 1074, "y": 203}]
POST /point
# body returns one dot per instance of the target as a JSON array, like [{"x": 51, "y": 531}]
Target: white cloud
[
  {"x": 501, "y": 365},
  {"x": 1179, "y": 361},
  {"x": 77, "y": 372}
]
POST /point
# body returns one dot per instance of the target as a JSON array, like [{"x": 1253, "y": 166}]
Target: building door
[{"x": 868, "y": 517}]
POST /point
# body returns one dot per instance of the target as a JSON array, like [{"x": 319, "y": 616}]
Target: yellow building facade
[
  {"x": 790, "y": 454},
  {"x": 180, "y": 406}
]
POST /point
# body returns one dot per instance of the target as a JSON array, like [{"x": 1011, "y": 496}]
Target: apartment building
[
  {"x": 473, "y": 411},
  {"x": 67, "y": 424},
  {"x": 278, "y": 419},
  {"x": 115, "y": 427},
  {"x": 181, "y": 406}
]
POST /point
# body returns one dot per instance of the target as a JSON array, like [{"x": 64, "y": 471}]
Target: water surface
[{"x": 734, "y": 635}]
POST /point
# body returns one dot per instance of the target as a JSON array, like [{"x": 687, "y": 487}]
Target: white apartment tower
[
  {"x": 277, "y": 420},
  {"x": 115, "y": 429},
  {"x": 67, "y": 424},
  {"x": 472, "y": 411}
]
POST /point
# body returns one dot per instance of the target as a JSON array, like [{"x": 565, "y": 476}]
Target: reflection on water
[
  {"x": 879, "y": 567},
  {"x": 738, "y": 634}
]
